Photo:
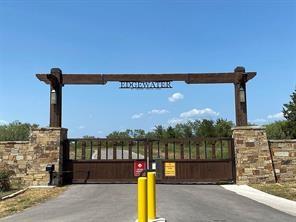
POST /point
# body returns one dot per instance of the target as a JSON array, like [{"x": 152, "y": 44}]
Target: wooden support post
[
  {"x": 56, "y": 84},
  {"x": 114, "y": 151},
  {"x": 214, "y": 150},
  {"x": 130, "y": 150},
  {"x": 166, "y": 151},
  {"x": 83, "y": 150},
  {"x": 240, "y": 97}
]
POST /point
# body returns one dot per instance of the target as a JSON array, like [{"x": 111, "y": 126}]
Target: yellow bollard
[
  {"x": 142, "y": 199},
  {"x": 151, "y": 180}
]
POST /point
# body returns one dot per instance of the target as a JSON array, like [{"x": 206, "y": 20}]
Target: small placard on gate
[
  {"x": 139, "y": 166},
  {"x": 169, "y": 169}
]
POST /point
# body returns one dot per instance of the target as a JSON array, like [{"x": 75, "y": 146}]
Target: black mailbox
[{"x": 50, "y": 167}]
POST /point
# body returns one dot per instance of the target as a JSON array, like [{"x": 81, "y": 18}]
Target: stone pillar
[
  {"x": 252, "y": 155},
  {"x": 46, "y": 147}
]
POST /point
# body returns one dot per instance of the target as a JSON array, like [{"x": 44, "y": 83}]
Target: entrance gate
[
  {"x": 196, "y": 160},
  {"x": 186, "y": 160}
]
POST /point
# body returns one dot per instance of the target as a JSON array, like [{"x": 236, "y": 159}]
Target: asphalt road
[{"x": 117, "y": 203}]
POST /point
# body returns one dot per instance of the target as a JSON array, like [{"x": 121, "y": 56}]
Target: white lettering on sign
[{"x": 146, "y": 85}]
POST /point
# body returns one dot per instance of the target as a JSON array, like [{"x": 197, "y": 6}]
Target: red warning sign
[{"x": 139, "y": 166}]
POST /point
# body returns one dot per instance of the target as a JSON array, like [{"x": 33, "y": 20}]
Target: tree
[
  {"x": 289, "y": 111},
  {"x": 159, "y": 131},
  {"x": 223, "y": 128},
  {"x": 277, "y": 130},
  {"x": 119, "y": 135},
  {"x": 206, "y": 129},
  {"x": 195, "y": 127},
  {"x": 16, "y": 131},
  {"x": 179, "y": 132},
  {"x": 170, "y": 132},
  {"x": 139, "y": 133},
  {"x": 187, "y": 128}
]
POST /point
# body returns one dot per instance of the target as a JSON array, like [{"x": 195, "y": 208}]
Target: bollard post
[
  {"x": 142, "y": 199},
  {"x": 151, "y": 180}
]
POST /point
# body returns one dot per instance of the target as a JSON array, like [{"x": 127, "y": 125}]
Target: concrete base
[{"x": 156, "y": 220}]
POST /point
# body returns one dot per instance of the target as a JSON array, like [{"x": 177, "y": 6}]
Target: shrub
[{"x": 5, "y": 179}]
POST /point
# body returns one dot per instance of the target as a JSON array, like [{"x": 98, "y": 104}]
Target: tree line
[{"x": 197, "y": 128}]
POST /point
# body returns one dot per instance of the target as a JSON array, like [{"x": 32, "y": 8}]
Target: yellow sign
[{"x": 169, "y": 169}]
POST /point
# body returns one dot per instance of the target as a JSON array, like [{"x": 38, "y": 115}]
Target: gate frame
[{"x": 150, "y": 151}]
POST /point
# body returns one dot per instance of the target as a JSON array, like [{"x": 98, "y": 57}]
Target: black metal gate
[{"x": 194, "y": 160}]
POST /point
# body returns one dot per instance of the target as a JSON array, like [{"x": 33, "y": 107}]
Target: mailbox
[{"x": 50, "y": 167}]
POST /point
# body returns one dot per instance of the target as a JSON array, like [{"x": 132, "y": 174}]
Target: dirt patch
[{"x": 30, "y": 198}]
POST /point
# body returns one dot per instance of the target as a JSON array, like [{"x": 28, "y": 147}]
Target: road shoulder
[{"x": 279, "y": 203}]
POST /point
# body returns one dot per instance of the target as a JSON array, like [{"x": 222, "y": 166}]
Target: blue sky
[{"x": 144, "y": 37}]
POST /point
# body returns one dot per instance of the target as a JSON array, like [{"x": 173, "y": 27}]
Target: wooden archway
[{"x": 56, "y": 79}]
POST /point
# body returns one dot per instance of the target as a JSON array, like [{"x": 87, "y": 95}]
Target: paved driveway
[{"x": 117, "y": 203}]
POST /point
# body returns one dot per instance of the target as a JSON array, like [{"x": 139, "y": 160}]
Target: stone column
[
  {"x": 46, "y": 147},
  {"x": 252, "y": 155}
]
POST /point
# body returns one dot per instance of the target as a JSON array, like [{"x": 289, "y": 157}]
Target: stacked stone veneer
[
  {"x": 29, "y": 159},
  {"x": 252, "y": 155},
  {"x": 13, "y": 156},
  {"x": 284, "y": 159}
]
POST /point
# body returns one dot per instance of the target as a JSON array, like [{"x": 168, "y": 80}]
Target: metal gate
[{"x": 194, "y": 160}]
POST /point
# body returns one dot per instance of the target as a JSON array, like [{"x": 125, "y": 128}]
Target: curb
[
  {"x": 42, "y": 186},
  {"x": 278, "y": 203},
  {"x": 14, "y": 194}
]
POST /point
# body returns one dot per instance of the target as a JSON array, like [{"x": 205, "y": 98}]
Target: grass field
[
  {"x": 29, "y": 198},
  {"x": 285, "y": 190}
]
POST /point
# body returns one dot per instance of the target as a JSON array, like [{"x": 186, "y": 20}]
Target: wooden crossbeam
[
  {"x": 238, "y": 77},
  {"x": 189, "y": 78}
]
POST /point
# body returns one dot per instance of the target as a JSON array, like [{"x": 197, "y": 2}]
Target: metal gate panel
[{"x": 197, "y": 160}]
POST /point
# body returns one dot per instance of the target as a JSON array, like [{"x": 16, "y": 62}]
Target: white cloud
[
  {"x": 207, "y": 112},
  {"x": 3, "y": 122},
  {"x": 269, "y": 118},
  {"x": 175, "y": 121},
  {"x": 276, "y": 116},
  {"x": 193, "y": 114},
  {"x": 259, "y": 121},
  {"x": 158, "y": 111},
  {"x": 137, "y": 115},
  {"x": 175, "y": 97},
  {"x": 81, "y": 127}
]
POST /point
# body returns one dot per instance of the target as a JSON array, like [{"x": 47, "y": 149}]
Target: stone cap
[
  {"x": 248, "y": 128},
  {"x": 49, "y": 128},
  {"x": 13, "y": 142},
  {"x": 283, "y": 141}
]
